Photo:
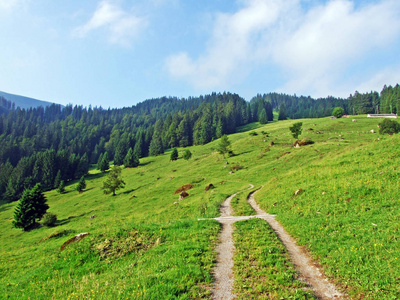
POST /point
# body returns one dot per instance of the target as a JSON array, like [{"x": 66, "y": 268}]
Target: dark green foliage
[
  {"x": 131, "y": 159},
  {"x": 262, "y": 118},
  {"x": 105, "y": 163},
  {"x": 49, "y": 219},
  {"x": 282, "y": 112},
  {"x": 296, "y": 129},
  {"x": 114, "y": 181},
  {"x": 388, "y": 126},
  {"x": 224, "y": 145},
  {"x": 174, "y": 154},
  {"x": 83, "y": 166},
  {"x": 57, "y": 181},
  {"x": 31, "y": 206},
  {"x": 338, "y": 112},
  {"x": 61, "y": 187},
  {"x": 253, "y": 133},
  {"x": 187, "y": 154},
  {"x": 81, "y": 185}
]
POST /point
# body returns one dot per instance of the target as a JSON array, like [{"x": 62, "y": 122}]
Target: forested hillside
[{"x": 59, "y": 143}]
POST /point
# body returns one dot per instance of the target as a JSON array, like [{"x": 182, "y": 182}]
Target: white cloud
[
  {"x": 313, "y": 48},
  {"x": 121, "y": 25},
  {"x": 10, "y": 5}
]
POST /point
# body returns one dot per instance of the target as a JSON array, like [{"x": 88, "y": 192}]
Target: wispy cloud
[
  {"x": 121, "y": 26},
  {"x": 312, "y": 47},
  {"x": 9, "y": 5}
]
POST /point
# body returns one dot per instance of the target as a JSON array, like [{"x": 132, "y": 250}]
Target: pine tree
[
  {"x": 39, "y": 201},
  {"x": 105, "y": 163},
  {"x": 30, "y": 207},
  {"x": 131, "y": 159},
  {"x": 81, "y": 185},
  {"x": 114, "y": 181},
  {"x": 282, "y": 112},
  {"x": 24, "y": 214},
  {"x": 262, "y": 118},
  {"x": 83, "y": 166},
  {"x": 174, "y": 154},
  {"x": 61, "y": 187},
  {"x": 57, "y": 181},
  {"x": 224, "y": 145},
  {"x": 99, "y": 161},
  {"x": 187, "y": 154}
]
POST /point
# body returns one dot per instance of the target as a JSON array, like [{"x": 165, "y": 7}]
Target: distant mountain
[{"x": 24, "y": 102}]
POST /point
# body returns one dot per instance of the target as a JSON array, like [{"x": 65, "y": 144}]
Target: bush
[
  {"x": 338, "y": 112},
  {"x": 49, "y": 219},
  {"x": 389, "y": 126},
  {"x": 236, "y": 168},
  {"x": 253, "y": 133}
]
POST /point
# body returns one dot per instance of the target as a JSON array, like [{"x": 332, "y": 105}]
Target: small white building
[{"x": 392, "y": 116}]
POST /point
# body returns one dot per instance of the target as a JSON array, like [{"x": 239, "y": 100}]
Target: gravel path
[
  {"x": 301, "y": 259},
  {"x": 309, "y": 272}
]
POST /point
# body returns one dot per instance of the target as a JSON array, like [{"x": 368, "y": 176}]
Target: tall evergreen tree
[
  {"x": 24, "y": 213},
  {"x": 131, "y": 159},
  {"x": 57, "y": 181},
  {"x": 81, "y": 185},
  {"x": 105, "y": 163},
  {"x": 174, "y": 154},
  {"x": 224, "y": 145},
  {"x": 262, "y": 118},
  {"x": 282, "y": 112}
]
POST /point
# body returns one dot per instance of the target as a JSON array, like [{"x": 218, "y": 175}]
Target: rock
[
  {"x": 372, "y": 131},
  {"x": 183, "y": 195},
  {"x": 354, "y": 120},
  {"x": 176, "y": 203},
  {"x": 298, "y": 192},
  {"x": 208, "y": 187},
  {"x": 230, "y": 173},
  {"x": 271, "y": 144},
  {"x": 75, "y": 239},
  {"x": 92, "y": 217}
]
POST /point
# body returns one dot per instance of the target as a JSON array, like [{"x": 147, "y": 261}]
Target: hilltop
[
  {"x": 24, "y": 102},
  {"x": 346, "y": 215}
]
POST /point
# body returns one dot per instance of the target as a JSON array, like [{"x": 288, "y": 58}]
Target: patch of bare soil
[{"x": 300, "y": 257}]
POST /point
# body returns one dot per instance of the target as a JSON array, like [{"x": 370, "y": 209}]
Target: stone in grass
[
  {"x": 183, "y": 195},
  {"x": 298, "y": 192},
  {"x": 208, "y": 187},
  {"x": 75, "y": 239}
]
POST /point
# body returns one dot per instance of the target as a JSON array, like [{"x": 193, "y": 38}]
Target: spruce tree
[
  {"x": 187, "y": 154},
  {"x": 57, "y": 181},
  {"x": 224, "y": 145},
  {"x": 282, "y": 112},
  {"x": 30, "y": 207},
  {"x": 24, "y": 213},
  {"x": 131, "y": 159},
  {"x": 99, "y": 161},
  {"x": 81, "y": 185},
  {"x": 262, "y": 117},
  {"x": 174, "y": 154},
  {"x": 61, "y": 187},
  {"x": 105, "y": 163},
  {"x": 39, "y": 201}
]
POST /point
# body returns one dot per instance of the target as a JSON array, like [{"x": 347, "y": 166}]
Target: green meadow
[{"x": 146, "y": 244}]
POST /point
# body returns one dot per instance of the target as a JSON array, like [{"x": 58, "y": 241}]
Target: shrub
[
  {"x": 296, "y": 129},
  {"x": 236, "y": 167},
  {"x": 389, "y": 126},
  {"x": 49, "y": 219},
  {"x": 253, "y": 133},
  {"x": 338, "y": 112}
]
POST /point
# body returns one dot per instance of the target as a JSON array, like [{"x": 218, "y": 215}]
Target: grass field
[{"x": 142, "y": 245}]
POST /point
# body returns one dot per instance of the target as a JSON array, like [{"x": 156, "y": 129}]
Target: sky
[{"x": 116, "y": 53}]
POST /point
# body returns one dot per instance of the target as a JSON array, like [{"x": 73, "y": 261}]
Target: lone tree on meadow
[
  {"x": 224, "y": 145},
  {"x": 30, "y": 207},
  {"x": 81, "y": 185},
  {"x": 174, "y": 154},
  {"x": 114, "y": 181},
  {"x": 296, "y": 129},
  {"x": 61, "y": 187},
  {"x": 187, "y": 154}
]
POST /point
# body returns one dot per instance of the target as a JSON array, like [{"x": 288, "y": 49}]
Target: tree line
[{"x": 56, "y": 143}]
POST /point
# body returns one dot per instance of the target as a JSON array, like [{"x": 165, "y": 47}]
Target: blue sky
[{"x": 115, "y": 53}]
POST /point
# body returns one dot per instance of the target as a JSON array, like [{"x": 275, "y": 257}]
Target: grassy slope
[{"x": 347, "y": 216}]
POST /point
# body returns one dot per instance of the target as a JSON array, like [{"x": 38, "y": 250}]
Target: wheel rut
[{"x": 223, "y": 273}]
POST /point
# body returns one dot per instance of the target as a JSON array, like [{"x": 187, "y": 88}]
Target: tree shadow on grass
[
  {"x": 145, "y": 163},
  {"x": 67, "y": 220},
  {"x": 5, "y": 206}
]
